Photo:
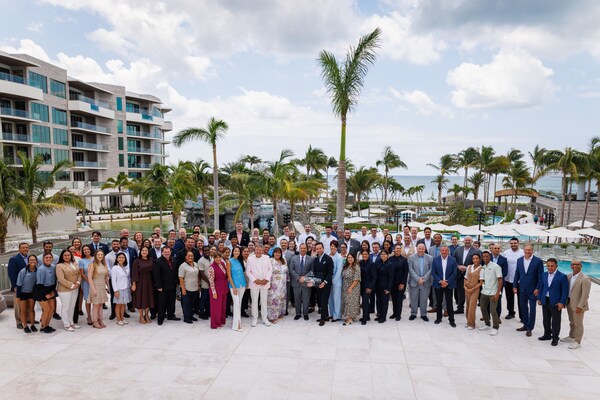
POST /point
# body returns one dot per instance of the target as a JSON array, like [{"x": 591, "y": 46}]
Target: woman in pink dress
[{"x": 217, "y": 278}]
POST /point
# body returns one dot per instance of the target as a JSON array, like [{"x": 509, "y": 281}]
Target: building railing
[
  {"x": 15, "y": 112},
  {"x": 145, "y": 150},
  {"x": 89, "y": 164},
  {"x": 17, "y": 137},
  {"x": 83, "y": 125},
  {"x": 133, "y": 132},
  {"x": 139, "y": 165},
  {"x": 89, "y": 100},
  {"x": 87, "y": 145},
  {"x": 12, "y": 78}
]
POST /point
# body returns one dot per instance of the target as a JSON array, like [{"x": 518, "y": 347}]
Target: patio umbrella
[
  {"x": 564, "y": 233},
  {"x": 317, "y": 210},
  {"x": 531, "y": 232},
  {"x": 589, "y": 232},
  {"x": 577, "y": 224},
  {"x": 471, "y": 231}
]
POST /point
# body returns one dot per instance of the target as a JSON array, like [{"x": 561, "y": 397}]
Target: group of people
[{"x": 347, "y": 277}]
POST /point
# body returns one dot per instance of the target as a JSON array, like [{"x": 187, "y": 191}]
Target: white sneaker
[
  {"x": 120, "y": 323},
  {"x": 69, "y": 329},
  {"x": 266, "y": 322},
  {"x": 484, "y": 328},
  {"x": 125, "y": 322},
  {"x": 567, "y": 339},
  {"x": 494, "y": 332},
  {"x": 574, "y": 345},
  {"x": 470, "y": 328},
  {"x": 75, "y": 326},
  {"x": 254, "y": 322}
]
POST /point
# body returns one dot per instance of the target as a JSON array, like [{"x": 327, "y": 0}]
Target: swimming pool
[{"x": 588, "y": 268}]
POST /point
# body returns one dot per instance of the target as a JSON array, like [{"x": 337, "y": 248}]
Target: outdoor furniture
[
  {"x": 3, "y": 305},
  {"x": 9, "y": 297}
]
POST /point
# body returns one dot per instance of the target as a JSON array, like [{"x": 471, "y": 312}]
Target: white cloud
[
  {"x": 27, "y": 46},
  {"x": 514, "y": 79},
  {"x": 36, "y": 27},
  {"x": 110, "y": 41},
  {"x": 422, "y": 102}
]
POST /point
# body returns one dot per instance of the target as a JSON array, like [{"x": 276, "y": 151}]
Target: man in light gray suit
[
  {"x": 419, "y": 280},
  {"x": 300, "y": 265}
]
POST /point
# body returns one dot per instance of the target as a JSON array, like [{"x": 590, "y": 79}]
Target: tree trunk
[
  {"x": 216, "y": 187},
  {"x": 385, "y": 188},
  {"x": 251, "y": 211},
  {"x": 160, "y": 218},
  {"x": 587, "y": 202},
  {"x": 341, "y": 180},
  {"x": 598, "y": 202},
  {"x": 466, "y": 174},
  {"x": 439, "y": 194},
  {"x": 34, "y": 228},
  {"x": 275, "y": 221},
  {"x": 357, "y": 199},
  {"x": 570, "y": 196},
  {"x": 205, "y": 212},
  {"x": 3, "y": 233},
  {"x": 562, "y": 208}
]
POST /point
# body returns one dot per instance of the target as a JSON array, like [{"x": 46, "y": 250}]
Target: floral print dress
[{"x": 277, "y": 292}]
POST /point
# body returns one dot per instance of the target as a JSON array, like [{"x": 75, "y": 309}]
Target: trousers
[
  {"x": 418, "y": 299},
  {"x": 552, "y": 318},
  {"x": 68, "y": 300},
  {"x": 259, "y": 294},
  {"x": 484, "y": 302},
  {"x": 237, "y": 307},
  {"x": 301, "y": 299}
]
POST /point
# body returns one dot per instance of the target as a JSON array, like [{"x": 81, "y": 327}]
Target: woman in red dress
[{"x": 217, "y": 278}]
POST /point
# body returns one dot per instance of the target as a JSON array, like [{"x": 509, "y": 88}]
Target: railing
[
  {"x": 17, "y": 137},
  {"x": 89, "y": 164},
  {"x": 138, "y": 165},
  {"x": 83, "y": 125},
  {"x": 15, "y": 112},
  {"x": 89, "y": 100},
  {"x": 12, "y": 78},
  {"x": 133, "y": 132},
  {"x": 145, "y": 150},
  {"x": 93, "y": 146},
  {"x": 137, "y": 110}
]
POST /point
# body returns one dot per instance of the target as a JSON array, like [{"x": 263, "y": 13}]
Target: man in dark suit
[
  {"x": 527, "y": 278},
  {"x": 553, "y": 292},
  {"x": 503, "y": 263},
  {"x": 156, "y": 250},
  {"x": 385, "y": 279},
  {"x": 242, "y": 236},
  {"x": 444, "y": 270},
  {"x": 165, "y": 277},
  {"x": 15, "y": 264},
  {"x": 323, "y": 269},
  {"x": 190, "y": 245},
  {"x": 400, "y": 265},
  {"x": 464, "y": 257},
  {"x": 97, "y": 244},
  {"x": 353, "y": 245},
  {"x": 299, "y": 266},
  {"x": 427, "y": 240}
]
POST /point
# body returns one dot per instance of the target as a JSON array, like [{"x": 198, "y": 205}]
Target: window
[
  {"x": 119, "y": 126},
  {"x": 135, "y": 175},
  {"x": 44, "y": 152},
  {"x": 63, "y": 176},
  {"x": 40, "y": 134},
  {"x": 58, "y": 89},
  {"x": 121, "y": 160},
  {"x": 60, "y": 155},
  {"x": 132, "y": 107},
  {"x": 119, "y": 104},
  {"x": 59, "y": 117},
  {"x": 61, "y": 136},
  {"x": 120, "y": 143},
  {"x": 38, "y": 81},
  {"x": 40, "y": 112}
]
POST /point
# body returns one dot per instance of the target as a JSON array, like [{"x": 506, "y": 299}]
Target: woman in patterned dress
[
  {"x": 142, "y": 285},
  {"x": 86, "y": 260},
  {"x": 277, "y": 292},
  {"x": 350, "y": 289},
  {"x": 98, "y": 280}
]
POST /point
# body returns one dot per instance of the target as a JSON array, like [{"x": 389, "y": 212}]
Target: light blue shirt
[
  {"x": 237, "y": 273},
  {"x": 338, "y": 264}
]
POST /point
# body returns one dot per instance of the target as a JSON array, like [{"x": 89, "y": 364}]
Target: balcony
[
  {"x": 82, "y": 126},
  {"x": 16, "y": 86},
  {"x": 87, "y": 105},
  {"x": 147, "y": 135},
  {"x": 15, "y": 137},
  {"x": 89, "y": 164},
  {"x": 90, "y": 146},
  {"x": 144, "y": 150},
  {"x": 139, "y": 166},
  {"x": 167, "y": 126},
  {"x": 14, "y": 113},
  {"x": 137, "y": 116}
]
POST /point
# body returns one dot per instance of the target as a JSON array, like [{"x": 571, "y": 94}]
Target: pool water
[{"x": 588, "y": 268}]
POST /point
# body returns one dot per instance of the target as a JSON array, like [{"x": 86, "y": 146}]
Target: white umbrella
[
  {"x": 564, "y": 233},
  {"x": 439, "y": 227},
  {"x": 500, "y": 230},
  {"x": 419, "y": 225},
  {"x": 471, "y": 231},
  {"x": 376, "y": 211},
  {"x": 407, "y": 212},
  {"x": 589, "y": 232},
  {"x": 532, "y": 232},
  {"x": 457, "y": 227},
  {"x": 354, "y": 220},
  {"x": 317, "y": 210},
  {"x": 577, "y": 224}
]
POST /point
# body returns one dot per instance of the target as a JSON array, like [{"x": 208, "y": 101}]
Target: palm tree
[
  {"x": 331, "y": 163},
  {"x": 34, "y": 185},
  {"x": 441, "y": 182},
  {"x": 252, "y": 160},
  {"x": 120, "y": 182},
  {"x": 456, "y": 190},
  {"x": 10, "y": 205},
  {"x": 538, "y": 158},
  {"x": 592, "y": 167},
  {"x": 277, "y": 176},
  {"x": 157, "y": 188},
  {"x": 476, "y": 180},
  {"x": 362, "y": 181},
  {"x": 201, "y": 181},
  {"x": 245, "y": 188},
  {"x": 389, "y": 160},
  {"x": 445, "y": 167},
  {"x": 301, "y": 191},
  {"x": 214, "y": 131},
  {"x": 466, "y": 159},
  {"x": 344, "y": 81},
  {"x": 314, "y": 160},
  {"x": 181, "y": 187},
  {"x": 516, "y": 179}
]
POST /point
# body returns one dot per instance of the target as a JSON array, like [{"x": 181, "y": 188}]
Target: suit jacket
[
  {"x": 294, "y": 268},
  {"x": 432, "y": 249},
  {"x": 422, "y": 240},
  {"x": 288, "y": 254},
  {"x": 503, "y": 263},
  {"x": 438, "y": 272},
  {"x": 180, "y": 257},
  {"x": 15, "y": 265},
  {"x": 413, "y": 270},
  {"x": 353, "y": 246},
  {"x": 245, "y": 238},
  {"x": 368, "y": 275},
  {"x": 526, "y": 283},
  {"x": 153, "y": 253},
  {"x": 558, "y": 291},
  {"x": 385, "y": 276},
  {"x": 410, "y": 252},
  {"x": 102, "y": 246},
  {"x": 458, "y": 255},
  {"x": 580, "y": 293},
  {"x": 376, "y": 261},
  {"x": 400, "y": 270},
  {"x": 165, "y": 277},
  {"x": 324, "y": 269}
]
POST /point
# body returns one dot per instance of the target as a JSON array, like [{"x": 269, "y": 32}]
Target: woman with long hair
[
  {"x": 137, "y": 241},
  {"x": 188, "y": 273},
  {"x": 98, "y": 281},
  {"x": 368, "y": 275},
  {"x": 217, "y": 278},
  {"x": 350, "y": 289},
  {"x": 472, "y": 285},
  {"x": 142, "y": 285},
  {"x": 365, "y": 245},
  {"x": 45, "y": 291},
  {"x": 77, "y": 248},
  {"x": 237, "y": 286},
  {"x": 385, "y": 278},
  {"x": 246, "y": 299},
  {"x": 84, "y": 263},
  {"x": 68, "y": 276},
  {"x": 277, "y": 294},
  {"x": 335, "y": 297},
  {"x": 119, "y": 276},
  {"x": 26, "y": 281}
]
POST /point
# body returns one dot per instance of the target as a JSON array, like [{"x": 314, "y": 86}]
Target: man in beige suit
[{"x": 577, "y": 304}]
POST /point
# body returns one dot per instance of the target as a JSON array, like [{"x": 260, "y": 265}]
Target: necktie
[{"x": 302, "y": 266}]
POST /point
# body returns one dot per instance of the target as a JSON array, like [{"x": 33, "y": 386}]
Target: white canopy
[
  {"x": 317, "y": 210},
  {"x": 439, "y": 227},
  {"x": 577, "y": 224},
  {"x": 589, "y": 232},
  {"x": 530, "y": 231},
  {"x": 564, "y": 233},
  {"x": 355, "y": 220},
  {"x": 376, "y": 211},
  {"x": 500, "y": 230},
  {"x": 407, "y": 212},
  {"x": 457, "y": 227},
  {"x": 470, "y": 230},
  {"x": 419, "y": 225}
]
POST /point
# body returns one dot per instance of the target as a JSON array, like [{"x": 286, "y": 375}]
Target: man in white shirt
[
  {"x": 414, "y": 236},
  {"x": 328, "y": 238},
  {"x": 307, "y": 233},
  {"x": 363, "y": 235},
  {"x": 511, "y": 255},
  {"x": 259, "y": 272},
  {"x": 374, "y": 238},
  {"x": 286, "y": 235}
]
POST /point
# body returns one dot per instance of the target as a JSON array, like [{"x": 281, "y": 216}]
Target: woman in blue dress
[
  {"x": 84, "y": 263},
  {"x": 237, "y": 285}
]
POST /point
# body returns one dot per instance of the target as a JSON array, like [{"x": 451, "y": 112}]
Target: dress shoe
[
  {"x": 297, "y": 317},
  {"x": 545, "y": 337},
  {"x": 412, "y": 317},
  {"x": 189, "y": 321},
  {"x": 392, "y": 316},
  {"x": 104, "y": 307},
  {"x": 459, "y": 311},
  {"x": 26, "y": 330},
  {"x": 81, "y": 313},
  {"x": 437, "y": 321},
  {"x": 306, "y": 317},
  {"x": 112, "y": 316},
  {"x": 522, "y": 329},
  {"x": 126, "y": 315},
  {"x": 244, "y": 314},
  {"x": 481, "y": 319},
  {"x": 398, "y": 318},
  {"x": 194, "y": 319},
  {"x": 453, "y": 324},
  {"x": 160, "y": 322},
  {"x": 46, "y": 330},
  {"x": 56, "y": 316},
  {"x": 509, "y": 316},
  {"x": 432, "y": 310},
  {"x": 363, "y": 322},
  {"x": 33, "y": 328},
  {"x": 554, "y": 342},
  {"x": 311, "y": 309},
  {"x": 528, "y": 334},
  {"x": 424, "y": 318},
  {"x": 336, "y": 320},
  {"x": 204, "y": 318},
  {"x": 322, "y": 323},
  {"x": 19, "y": 325},
  {"x": 445, "y": 313},
  {"x": 174, "y": 319},
  {"x": 381, "y": 320}
]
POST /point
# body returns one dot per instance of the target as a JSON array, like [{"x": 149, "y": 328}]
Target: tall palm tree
[
  {"x": 277, "y": 176},
  {"x": 157, "y": 188},
  {"x": 301, "y": 191},
  {"x": 466, "y": 159},
  {"x": 446, "y": 166},
  {"x": 441, "y": 182},
  {"x": 362, "y": 182},
  {"x": 10, "y": 205},
  {"x": 538, "y": 158},
  {"x": 389, "y": 160},
  {"x": 244, "y": 189},
  {"x": 517, "y": 178},
  {"x": 34, "y": 185},
  {"x": 314, "y": 160},
  {"x": 201, "y": 178},
  {"x": 181, "y": 187},
  {"x": 119, "y": 182},
  {"x": 476, "y": 180},
  {"x": 253, "y": 161},
  {"x": 344, "y": 82},
  {"x": 214, "y": 131},
  {"x": 331, "y": 163}
]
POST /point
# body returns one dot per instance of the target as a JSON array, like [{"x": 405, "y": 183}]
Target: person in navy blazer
[
  {"x": 503, "y": 263},
  {"x": 368, "y": 277},
  {"x": 385, "y": 279},
  {"x": 96, "y": 244},
  {"x": 464, "y": 257},
  {"x": 399, "y": 284},
  {"x": 526, "y": 287},
  {"x": 553, "y": 292},
  {"x": 444, "y": 283},
  {"x": 15, "y": 264},
  {"x": 375, "y": 258},
  {"x": 323, "y": 269}
]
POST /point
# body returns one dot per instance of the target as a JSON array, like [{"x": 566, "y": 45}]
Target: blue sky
[{"x": 450, "y": 73}]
